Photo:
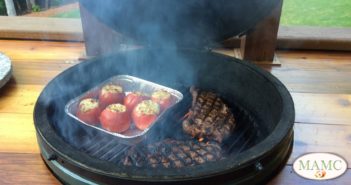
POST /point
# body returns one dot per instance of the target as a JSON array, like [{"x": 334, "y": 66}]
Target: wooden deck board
[
  {"x": 288, "y": 177},
  {"x": 311, "y": 72},
  {"x": 319, "y": 83},
  {"x": 322, "y": 108},
  {"x": 17, "y": 133},
  {"x": 321, "y": 138},
  {"x": 315, "y": 72},
  {"x": 49, "y": 28},
  {"x": 41, "y": 51},
  {"x": 18, "y": 168},
  {"x": 41, "y": 28}
]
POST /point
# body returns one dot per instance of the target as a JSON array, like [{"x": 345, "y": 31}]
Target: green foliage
[
  {"x": 61, "y": 2},
  {"x": 35, "y": 8},
  {"x": 68, "y": 14},
  {"x": 56, "y": 2},
  {"x": 336, "y": 13},
  {"x": 2, "y": 7}
]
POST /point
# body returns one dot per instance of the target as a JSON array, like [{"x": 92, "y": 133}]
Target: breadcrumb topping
[
  {"x": 111, "y": 88},
  {"x": 88, "y": 104},
  {"x": 148, "y": 107},
  {"x": 161, "y": 95},
  {"x": 117, "y": 107}
]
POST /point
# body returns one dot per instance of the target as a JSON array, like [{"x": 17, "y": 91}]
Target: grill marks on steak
[
  {"x": 172, "y": 154},
  {"x": 209, "y": 117}
]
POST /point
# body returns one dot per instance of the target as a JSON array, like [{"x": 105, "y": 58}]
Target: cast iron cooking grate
[{"x": 103, "y": 147}]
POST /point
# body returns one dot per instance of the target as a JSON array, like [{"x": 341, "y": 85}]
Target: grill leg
[{"x": 260, "y": 42}]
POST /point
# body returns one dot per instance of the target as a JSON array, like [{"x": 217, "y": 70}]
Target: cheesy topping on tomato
[
  {"x": 148, "y": 107},
  {"x": 117, "y": 107},
  {"x": 112, "y": 89},
  {"x": 161, "y": 95},
  {"x": 139, "y": 93},
  {"x": 88, "y": 104}
]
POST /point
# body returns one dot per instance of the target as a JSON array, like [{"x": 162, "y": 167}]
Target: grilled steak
[
  {"x": 172, "y": 154},
  {"x": 209, "y": 117}
]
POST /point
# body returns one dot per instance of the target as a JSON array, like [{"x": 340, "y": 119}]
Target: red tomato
[
  {"x": 110, "y": 94},
  {"x": 132, "y": 99},
  {"x": 92, "y": 94},
  {"x": 145, "y": 113},
  {"x": 163, "y": 98},
  {"x": 115, "y": 118},
  {"x": 88, "y": 111}
]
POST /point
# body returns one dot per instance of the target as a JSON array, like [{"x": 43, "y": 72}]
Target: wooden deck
[{"x": 320, "y": 83}]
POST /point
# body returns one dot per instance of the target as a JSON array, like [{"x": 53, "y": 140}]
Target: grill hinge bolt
[
  {"x": 259, "y": 166},
  {"x": 51, "y": 157}
]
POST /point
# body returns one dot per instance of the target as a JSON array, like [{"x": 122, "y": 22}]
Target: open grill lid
[{"x": 186, "y": 23}]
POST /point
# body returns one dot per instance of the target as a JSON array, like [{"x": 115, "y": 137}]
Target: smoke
[
  {"x": 155, "y": 23},
  {"x": 173, "y": 23},
  {"x": 173, "y": 35}
]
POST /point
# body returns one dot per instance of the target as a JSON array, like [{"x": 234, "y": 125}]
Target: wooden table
[{"x": 320, "y": 83}]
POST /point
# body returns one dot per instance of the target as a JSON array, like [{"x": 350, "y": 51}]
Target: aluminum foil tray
[{"x": 129, "y": 84}]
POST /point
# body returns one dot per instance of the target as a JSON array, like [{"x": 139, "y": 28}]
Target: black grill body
[{"x": 260, "y": 101}]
